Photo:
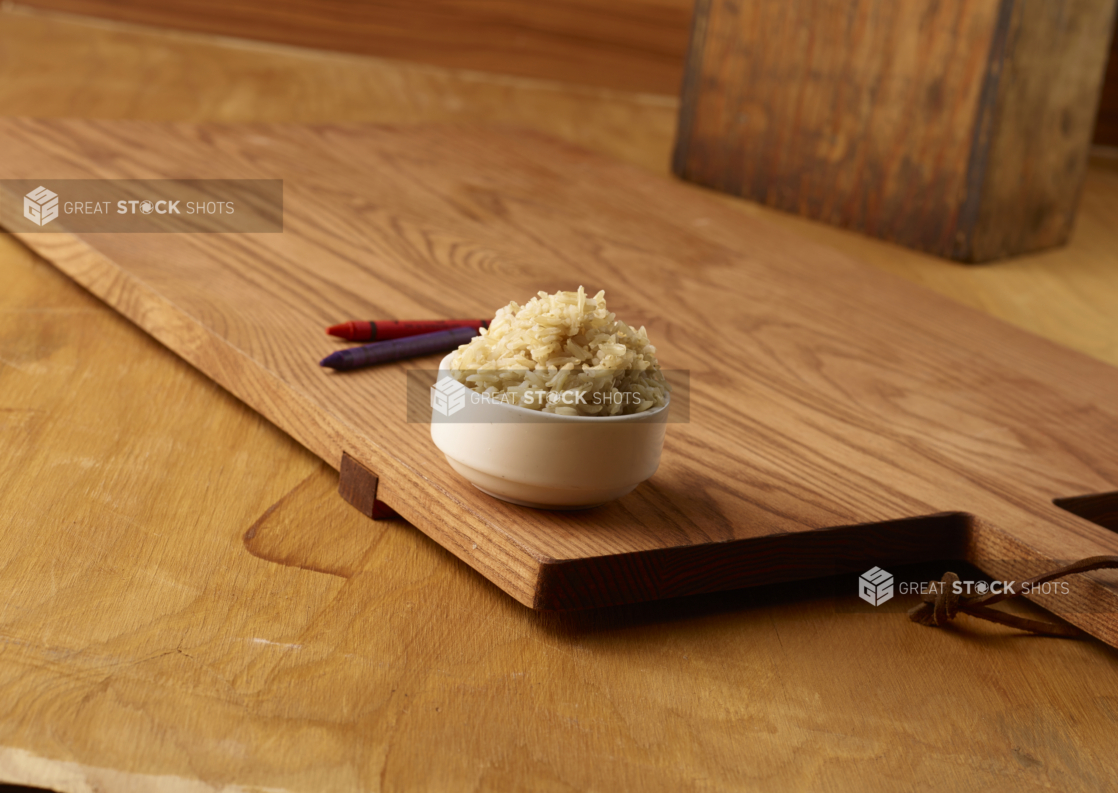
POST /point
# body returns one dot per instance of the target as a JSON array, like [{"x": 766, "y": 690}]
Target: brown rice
[{"x": 564, "y": 353}]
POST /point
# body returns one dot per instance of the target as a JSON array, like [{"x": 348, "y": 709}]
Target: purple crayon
[{"x": 398, "y": 349}]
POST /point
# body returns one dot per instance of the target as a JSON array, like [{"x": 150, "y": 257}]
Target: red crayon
[{"x": 386, "y": 329}]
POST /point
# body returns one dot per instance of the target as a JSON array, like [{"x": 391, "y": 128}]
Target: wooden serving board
[{"x": 840, "y": 417}]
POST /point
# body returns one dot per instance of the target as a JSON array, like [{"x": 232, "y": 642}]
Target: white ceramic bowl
[{"x": 546, "y": 460}]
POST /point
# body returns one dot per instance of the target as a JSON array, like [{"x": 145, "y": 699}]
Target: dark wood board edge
[
  {"x": 757, "y": 561},
  {"x": 776, "y": 559},
  {"x": 1100, "y": 508}
]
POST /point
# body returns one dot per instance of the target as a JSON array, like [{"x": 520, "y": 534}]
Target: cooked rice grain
[{"x": 564, "y": 353}]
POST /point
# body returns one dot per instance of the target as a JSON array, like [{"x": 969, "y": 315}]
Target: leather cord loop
[{"x": 942, "y": 604}]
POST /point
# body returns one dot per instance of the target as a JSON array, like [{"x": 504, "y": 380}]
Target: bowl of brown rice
[{"x": 558, "y": 404}]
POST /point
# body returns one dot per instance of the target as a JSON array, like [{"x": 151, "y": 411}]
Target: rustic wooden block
[{"x": 958, "y": 127}]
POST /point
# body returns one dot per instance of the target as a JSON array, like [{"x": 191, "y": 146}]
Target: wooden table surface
[{"x": 163, "y": 626}]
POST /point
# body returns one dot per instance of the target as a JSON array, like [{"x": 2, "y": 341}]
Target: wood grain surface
[
  {"x": 759, "y": 690},
  {"x": 804, "y": 420},
  {"x": 632, "y": 45},
  {"x": 178, "y": 615},
  {"x": 959, "y": 128},
  {"x": 1065, "y": 294}
]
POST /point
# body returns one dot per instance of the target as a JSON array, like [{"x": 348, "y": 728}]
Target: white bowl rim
[{"x": 444, "y": 366}]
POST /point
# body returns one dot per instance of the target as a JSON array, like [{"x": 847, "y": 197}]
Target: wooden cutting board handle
[{"x": 1091, "y": 602}]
